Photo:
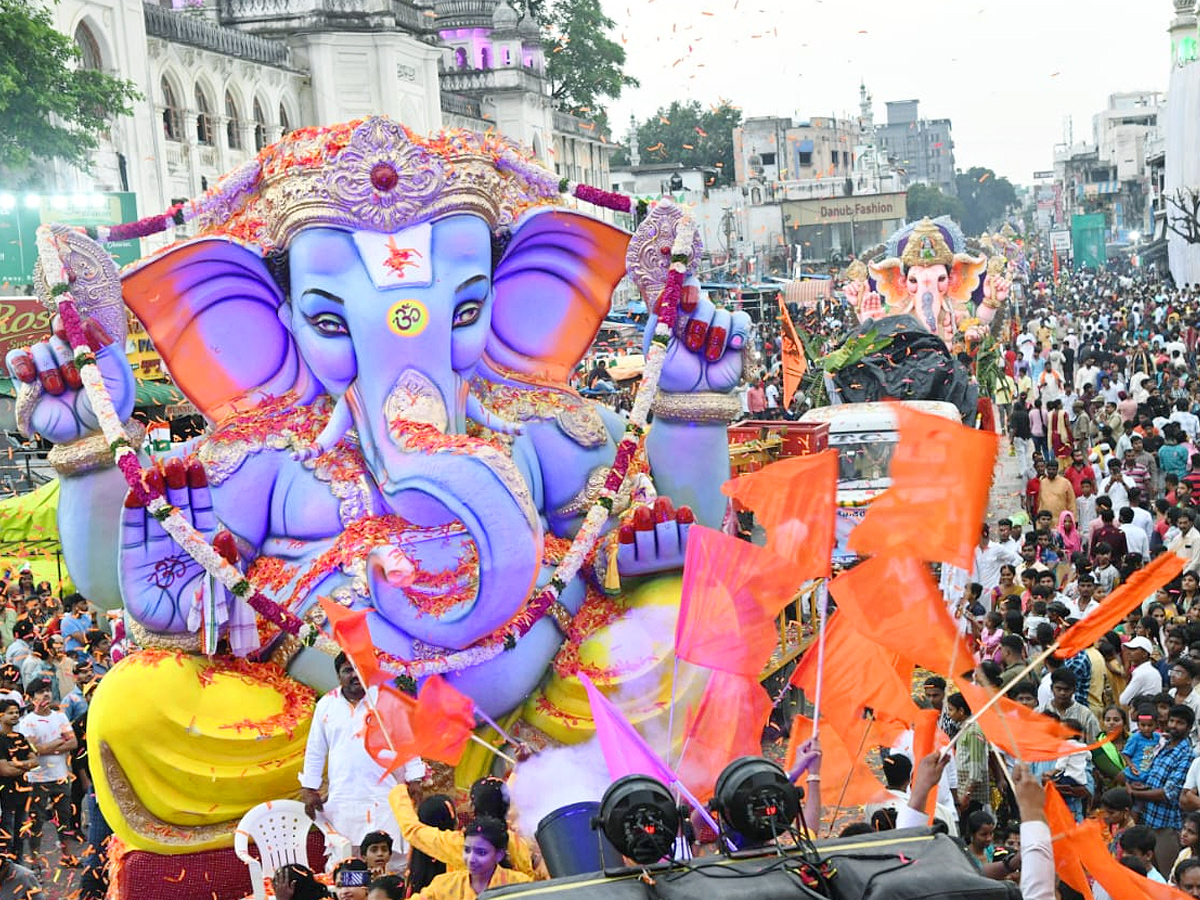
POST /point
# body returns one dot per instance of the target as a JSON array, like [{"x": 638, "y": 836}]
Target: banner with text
[{"x": 837, "y": 210}]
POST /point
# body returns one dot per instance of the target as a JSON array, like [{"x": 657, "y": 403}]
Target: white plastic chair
[{"x": 279, "y": 829}]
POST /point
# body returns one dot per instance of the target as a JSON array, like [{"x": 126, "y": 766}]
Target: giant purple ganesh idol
[{"x": 379, "y": 329}]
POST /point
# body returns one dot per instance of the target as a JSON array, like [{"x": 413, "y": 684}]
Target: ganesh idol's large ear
[
  {"x": 888, "y": 275},
  {"x": 212, "y": 310},
  {"x": 553, "y": 287},
  {"x": 966, "y": 275}
]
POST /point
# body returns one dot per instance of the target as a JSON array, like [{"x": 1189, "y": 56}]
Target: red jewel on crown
[{"x": 383, "y": 176}]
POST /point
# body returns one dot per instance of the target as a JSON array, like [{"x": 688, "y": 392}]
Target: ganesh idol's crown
[{"x": 371, "y": 174}]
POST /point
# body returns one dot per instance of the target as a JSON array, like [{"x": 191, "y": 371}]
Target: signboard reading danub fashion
[{"x": 837, "y": 210}]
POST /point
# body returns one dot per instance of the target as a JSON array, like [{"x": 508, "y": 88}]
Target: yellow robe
[
  {"x": 456, "y": 884},
  {"x": 447, "y": 846}
]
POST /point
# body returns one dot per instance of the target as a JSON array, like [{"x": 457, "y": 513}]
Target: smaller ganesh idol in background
[{"x": 927, "y": 273}]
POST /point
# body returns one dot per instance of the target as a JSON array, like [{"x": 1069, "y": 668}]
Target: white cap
[{"x": 1140, "y": 643}]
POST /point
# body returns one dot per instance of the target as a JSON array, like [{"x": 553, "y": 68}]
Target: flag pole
[
  {"x": 671, "y": 715},
  {"x": 837, "y": 811},
  {"x": 823, "y": 612},
  {"x": 1033, "y": 664}
]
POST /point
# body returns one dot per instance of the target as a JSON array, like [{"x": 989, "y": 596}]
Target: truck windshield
[{"x": 863, "y": 459}]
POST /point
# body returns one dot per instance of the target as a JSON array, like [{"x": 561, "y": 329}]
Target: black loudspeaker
[
  {"x": 569, "y": 844},
  {"x": 892, "y": 865}
]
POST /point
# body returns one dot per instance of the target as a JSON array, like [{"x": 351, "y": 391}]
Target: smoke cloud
[{"x": 555, "y": 778}]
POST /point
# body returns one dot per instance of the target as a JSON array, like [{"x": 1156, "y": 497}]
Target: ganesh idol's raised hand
[
  {"x": 705, "y": 352},
  {"x": 50, "y": 398}
]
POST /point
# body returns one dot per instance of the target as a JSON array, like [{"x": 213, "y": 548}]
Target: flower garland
[{"x": 200, "y": 549}]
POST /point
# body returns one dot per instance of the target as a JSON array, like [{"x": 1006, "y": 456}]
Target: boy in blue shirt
[{"x": 1140, "y": 746}]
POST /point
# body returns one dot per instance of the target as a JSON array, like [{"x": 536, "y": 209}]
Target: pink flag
[{"x": 627, "y": 753}]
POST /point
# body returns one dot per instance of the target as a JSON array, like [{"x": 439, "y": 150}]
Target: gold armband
[
  {"x": 708, "y": 407},
  {"x": 91, "y": 453}
]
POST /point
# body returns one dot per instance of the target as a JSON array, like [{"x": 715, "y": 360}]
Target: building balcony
[
  {"x": 182, "y": 28},
  {"x": 281, "y": 17},
  {"x": 478, "y": 81},
  {"x": 565, "y": 123},
  {"x": 457, "y": 105}
]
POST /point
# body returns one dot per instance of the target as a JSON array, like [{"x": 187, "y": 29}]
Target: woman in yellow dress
[{"x": 485, "y": 841}]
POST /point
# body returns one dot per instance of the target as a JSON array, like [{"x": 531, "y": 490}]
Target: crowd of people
[
  {"x": 1100, "y": 402},
  {"x": 54, "y": 654}
]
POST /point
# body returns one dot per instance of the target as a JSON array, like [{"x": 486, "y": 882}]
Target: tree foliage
[
  {"x": 928, "y": 200},
  {"x": 51, "y": 108},
  {"x": 584, "y": 64},
  {"x": 985, "y": 198},
  {"x": 688, "y": 134}
]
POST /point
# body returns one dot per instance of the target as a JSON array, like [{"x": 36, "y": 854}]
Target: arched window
[
  {"x": 507, "y": 57},
  {"x": 233, "y": 124},
  {"x": 172, "y": 115},
  {"x": 485, "y": 58},
  {"x": 284, "y": 125},
  {"x": 260, "y": 127},
  {"x": 89, "y": 48},
  {"x": 204, "y": 123},
  {"x": 460, "y": 57}
]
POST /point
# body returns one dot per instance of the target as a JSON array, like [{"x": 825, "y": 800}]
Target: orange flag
[
  {"x": 442, "y": 721},
  {"x": 894, "y": 602},
  {"x": 388, "y": 736},
  {"x": 728, "y": 723},
  {"x": 941, "y": 474},
  {"x": 351, "y": 633},
  {"x": 732, "y": 592},
  {"x": 1066, "y": 859},
  {"x": 794, "y": 501},
  {"x": 841, "y": 763},
  {"x": 1018, "y": 730},
  {"x": 795, "y": 362},
  {"x": 845, "y": 694},
  {"x": 1088, "y": 843},
  {"x": 1112, "y": 609}
]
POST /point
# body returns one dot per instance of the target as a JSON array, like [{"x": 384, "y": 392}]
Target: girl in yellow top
[
  {"x": 484, "y": 843},
  {"x": 489, "y": 799}
]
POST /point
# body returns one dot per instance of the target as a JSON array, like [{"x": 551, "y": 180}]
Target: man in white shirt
[
  {"x": 51, "y": 735},
  {"x": 989, "y": 557},
  {"x": 1142, "y": 517},
  {"x": 1186, "y": 419},
  {"x": 358, "y": 788},
  {"x": 1116, "y": 486},
  {"x": 1188, "y": 542},
  {"x": 1005, "y": 537},
  {"x": 1135, "y": 537},
  {"x": 1145, "y": 678}
]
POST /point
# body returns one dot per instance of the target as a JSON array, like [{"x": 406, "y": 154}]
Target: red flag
[
  {"x": 388, "y": 736},
  {"x": 728, "y": 723},
  {"x": 842, "y": 763},
  {"x": 845, "y": 694},
  {"x": 794, "y": 360},
  {"x": 442, "y": 721},
  {"x": 732, "y": 592},
  {"x": 794, "y": 501},
  {"x": 351, "y": 633},
  {"x": 1112, "y": 609},
  {"x": 894, "y": 602},
  {"x": 1018, "y": 730},
  {"x": 1066, "y": 859},
  {"x": 941, "y": 474}
]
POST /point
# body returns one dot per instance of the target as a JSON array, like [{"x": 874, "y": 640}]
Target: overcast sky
[{"x": 1007, "y": 74}]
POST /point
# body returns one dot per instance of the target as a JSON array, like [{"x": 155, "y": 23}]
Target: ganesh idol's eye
[
  {"x": 328, "y": 324},
  {"x": 467, "y": 313}
]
